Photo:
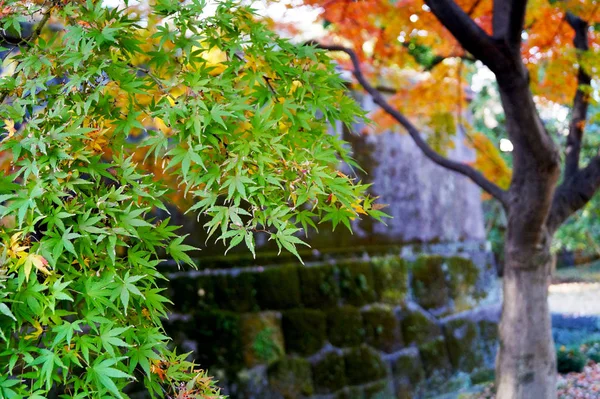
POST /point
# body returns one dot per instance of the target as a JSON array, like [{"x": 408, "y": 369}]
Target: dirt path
[{"x": 581, "y": 299}]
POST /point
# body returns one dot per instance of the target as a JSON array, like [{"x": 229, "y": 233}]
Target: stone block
[
  {"x": 382, "y": 330},
  {"x": 304, "y": 331},
  {"x": 291, "y": 377},
  {"x": 363, "y": 365},
  {"x": 278, "y": 288},
  {"x": 262, "y": 338},
  {"x": 356, "y": 282},
  {"x": 429, "y": 282},
  {"x": 345, "y": 326},
  {"x": 417, "y": 325},
  {"x": 463, "y": 344},
  {"x": 218, "y": 339},
  {"x": 434, "y": 355},
  {"x": 329, "y": 373},
  {"x": 390, "y": 274},
  {"x": 319, "y": 286}
]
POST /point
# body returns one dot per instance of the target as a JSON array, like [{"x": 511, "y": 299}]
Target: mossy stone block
[
  {"x": 418, "y": 327},
  {"x": 329, "y": 373},
  {"x": 434, "y": 355},
  {"x": 218, "y": 339},
  {"x": 356, "y": 282},
  {"x": 482, "y": 376},
  {"x": 488, "y": 331},
  {"x": 381, "y": 329},
  {"x": 379, "y": 390},
  {"x": 235, "y": 293},
  {"x": 304, "y": 331},
  {"x": 345, "y": 327},
  {"x": 319, "y": 286},
  {"x": 462, "y": 342},
  {"x": 278, "y": 288},
  {"x": 205, "y": 294},
  {"x": 407, "y": 368},
  {"x": 262, "y": 338},
  {"x": 291, "y": 377},
  {"x": 463, "y": 276},
  {"x": 184, "y": 293},
  {"x": 429, "y": 282},
  {"x": 351, "y": 392},
  {"x": 363, "y": 364},
  {"x": 390, "y": 274}
]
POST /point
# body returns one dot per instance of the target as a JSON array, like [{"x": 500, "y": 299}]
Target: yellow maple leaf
[
  {"x": 38, "y": 331},
  {"x": 9, "y": 125}
]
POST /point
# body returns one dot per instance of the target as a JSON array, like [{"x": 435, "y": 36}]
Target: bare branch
[
  {"x": 378, "y": 98},
  {"x": 574, "y": 193},
  {"x": 474, "y": 39},
  {"x": 580, "y": 101}
]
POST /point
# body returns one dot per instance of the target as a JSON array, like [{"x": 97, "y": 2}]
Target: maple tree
[
  {"x": 542, "y": 52},
  {"x": 104, "y": 111}
]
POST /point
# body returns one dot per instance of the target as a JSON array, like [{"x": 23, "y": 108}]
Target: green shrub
[
  {"x": 592, "y": 350},
  {"x": 570, "y": 360}
]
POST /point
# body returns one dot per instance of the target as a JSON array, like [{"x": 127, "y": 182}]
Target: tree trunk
[{"x": 526, "y": 362}]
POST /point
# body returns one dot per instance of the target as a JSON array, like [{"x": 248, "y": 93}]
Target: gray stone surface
[{"x": 428, "y": 202}]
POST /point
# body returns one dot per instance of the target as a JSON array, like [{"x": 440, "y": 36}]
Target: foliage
[
  {"x": 570, "y": 360},
  {"x": 100, "y": 117}
]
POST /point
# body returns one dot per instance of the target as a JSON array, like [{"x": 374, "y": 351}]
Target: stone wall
[{"x": 372, "y": 327}]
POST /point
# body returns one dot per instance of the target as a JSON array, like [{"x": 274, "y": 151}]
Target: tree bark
[{"x": 526, "y": 362}]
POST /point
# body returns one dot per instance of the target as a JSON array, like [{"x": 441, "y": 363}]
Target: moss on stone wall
[
  {"x": 429, "y": 282},
  {"x": 304, "y": 331},
  {"x": 378, "y": 390},
  {"x": 407, "y": 368},
  {"x": 434, "y": 355},
  {"x": 345, "y": 326},
  {"x": 235, "y": 293},
  {"x": 363, "y": 364},
  {"x": 390, "y": 275},
  {"x": 184, "y": 294},
  {"x": 381, "y": 329},
  {"x": 356, "y": 282},
  {"x": 218, "y": 340},
  {"x": 463, "y": 276},
  {"x": 462, "y": 343},
  {"x": 418, "y": 327},
  {"x": 319, "y": 286},
  {"x": 329, "y": 373},
  {"x": 291, "y": 377},
  {"x": 278, "y": 288},
  {"x": 262, "y": 337}
]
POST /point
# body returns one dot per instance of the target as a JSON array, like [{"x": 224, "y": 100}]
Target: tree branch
[
  {"x": 34, "y": 36},
  {"x": 474, "y": 39},
  {"x": 378, "y": 98},
  {"x": 508, "y": 20},
  {"x": 580, "y": 101},
  {"x": 574, "y": 193}
]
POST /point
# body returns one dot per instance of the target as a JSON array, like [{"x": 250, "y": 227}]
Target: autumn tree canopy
[{"x": 541, "y": 53}]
